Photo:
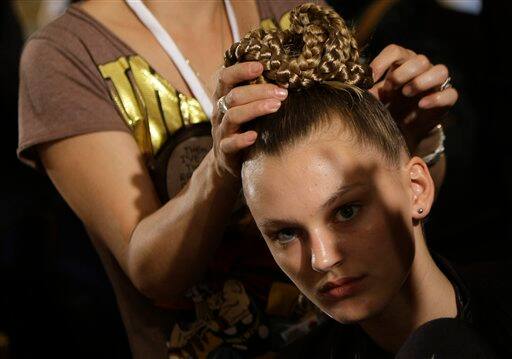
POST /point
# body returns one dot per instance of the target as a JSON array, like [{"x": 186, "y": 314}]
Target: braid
[{"x": 318, "y": 47}]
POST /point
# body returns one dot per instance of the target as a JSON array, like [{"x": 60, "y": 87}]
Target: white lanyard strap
[
  {"x": 232, "y": 20},
  {"x": 165, "y": 40}
]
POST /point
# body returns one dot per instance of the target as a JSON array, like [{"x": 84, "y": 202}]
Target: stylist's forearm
[{"x": 170, "y": 249}]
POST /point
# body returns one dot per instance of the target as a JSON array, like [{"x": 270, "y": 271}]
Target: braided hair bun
[{"x": 317, "y": 47}]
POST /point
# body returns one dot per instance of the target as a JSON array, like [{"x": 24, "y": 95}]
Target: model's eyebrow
[
  {"x": 269, "y": 224},
  {"x": 341, "y": 191}
]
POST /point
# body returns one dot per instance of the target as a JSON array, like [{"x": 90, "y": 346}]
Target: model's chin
[
  {"x": 348, "y": 311},
  {"x": 354, "y": 309},
  {"x": 367, "y": 303}
]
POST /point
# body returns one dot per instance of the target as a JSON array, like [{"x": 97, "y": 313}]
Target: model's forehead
[
  {"x": 306, "y": 173},
  {"x": 328, "y": 146}
]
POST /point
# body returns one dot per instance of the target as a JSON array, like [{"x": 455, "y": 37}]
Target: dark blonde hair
[{"x": 317, "y": 59}]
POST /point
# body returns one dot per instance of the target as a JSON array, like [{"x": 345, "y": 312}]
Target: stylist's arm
[{"x": 163, "y": 249}]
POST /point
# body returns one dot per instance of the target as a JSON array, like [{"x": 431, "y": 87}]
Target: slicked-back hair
[{"x": 363, "y": 118}]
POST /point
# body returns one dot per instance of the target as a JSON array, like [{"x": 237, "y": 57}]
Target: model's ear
[{"x": 422, "y": 188}]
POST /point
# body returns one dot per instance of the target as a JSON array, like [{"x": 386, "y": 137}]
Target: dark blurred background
[{"x": 55, "y": 298}]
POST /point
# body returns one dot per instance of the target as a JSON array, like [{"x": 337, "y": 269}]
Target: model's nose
[{"x": 325, "y": 250}]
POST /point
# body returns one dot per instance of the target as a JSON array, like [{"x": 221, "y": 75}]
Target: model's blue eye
[
  {"x": 347, "y": 212},
  {"x": 286, "y": 235}
]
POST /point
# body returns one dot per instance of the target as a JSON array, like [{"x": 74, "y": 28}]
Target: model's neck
[{"x": 426, "y": 295}]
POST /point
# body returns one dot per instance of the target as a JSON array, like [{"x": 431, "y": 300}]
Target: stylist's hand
[
  {"x": 244, "y": 104},
  {"x": 410, "y": 86}
]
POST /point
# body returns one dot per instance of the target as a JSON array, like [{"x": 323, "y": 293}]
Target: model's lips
[{"x": 341, "y": 288}]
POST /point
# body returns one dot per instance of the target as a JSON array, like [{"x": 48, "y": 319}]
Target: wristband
[{"x": 432, "y": 158}]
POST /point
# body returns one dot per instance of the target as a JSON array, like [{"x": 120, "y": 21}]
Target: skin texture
[
  {"x": 330, "y": 209},
  {"x": 165, "y": 248},
  {"x": 199, "y": 28}
]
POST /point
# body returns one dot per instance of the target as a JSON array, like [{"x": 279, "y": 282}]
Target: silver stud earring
[{"x": 420, "y": 210}]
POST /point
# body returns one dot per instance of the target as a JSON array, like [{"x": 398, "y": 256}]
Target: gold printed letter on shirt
[
  {"x": 155, "y": 94},
  {"x": 127, "y": 102},
  {"x": 191, "y": 110},
  {"x": 167, "y": 109},
  {"x": 284, "y": 22},
  {"x": 270, "y": 24},
  {"x": 152, "y": 108},
  {"x": 169, "y": 101}
]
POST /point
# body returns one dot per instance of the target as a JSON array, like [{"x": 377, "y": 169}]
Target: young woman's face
[{"x": 337, "y": 219}]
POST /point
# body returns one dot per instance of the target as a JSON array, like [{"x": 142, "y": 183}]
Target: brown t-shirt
[{"x": 77, "y": 78}]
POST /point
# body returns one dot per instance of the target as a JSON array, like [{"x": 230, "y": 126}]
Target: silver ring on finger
[
  {"x": 446, "y": 84},
  {"x": 221, "y": 105}
]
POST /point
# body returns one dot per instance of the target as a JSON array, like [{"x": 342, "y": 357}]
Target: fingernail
[
  {"x": 407, "y": 91},
  {"x": 425, "y": 103},
  {"x": 273, "y": 105},
  {"x": 251, "y": 137},
  {"x": 281, "y": 93},
  {"x": 256, "y": 67}
]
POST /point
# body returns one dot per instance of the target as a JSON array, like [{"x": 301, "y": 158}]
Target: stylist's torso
[{"x": 124, "y": 134}]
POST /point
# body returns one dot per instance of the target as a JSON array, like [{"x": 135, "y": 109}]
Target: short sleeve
[{"x": 61, "y": 95}]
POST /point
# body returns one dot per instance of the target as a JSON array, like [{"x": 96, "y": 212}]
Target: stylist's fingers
[
  {"x": 441, "y": 99},
  {"x": 409, "y": 70},
  {"x": 242, "y": 95},
  {"x": 237, "y": 142},
  {"x": 238, "y": 115},
  {"x": 431, "y": 79},
  {"x": 232, "y": 75},
  {"x": 391, "y": 55}
]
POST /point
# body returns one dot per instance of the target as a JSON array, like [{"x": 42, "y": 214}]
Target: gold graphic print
[
  {"x": 150, "y": 106},
  {"x": 127, "y": 102},
  {"x": 225, "y": 322},
  {"x": 270, "y": 24}
]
